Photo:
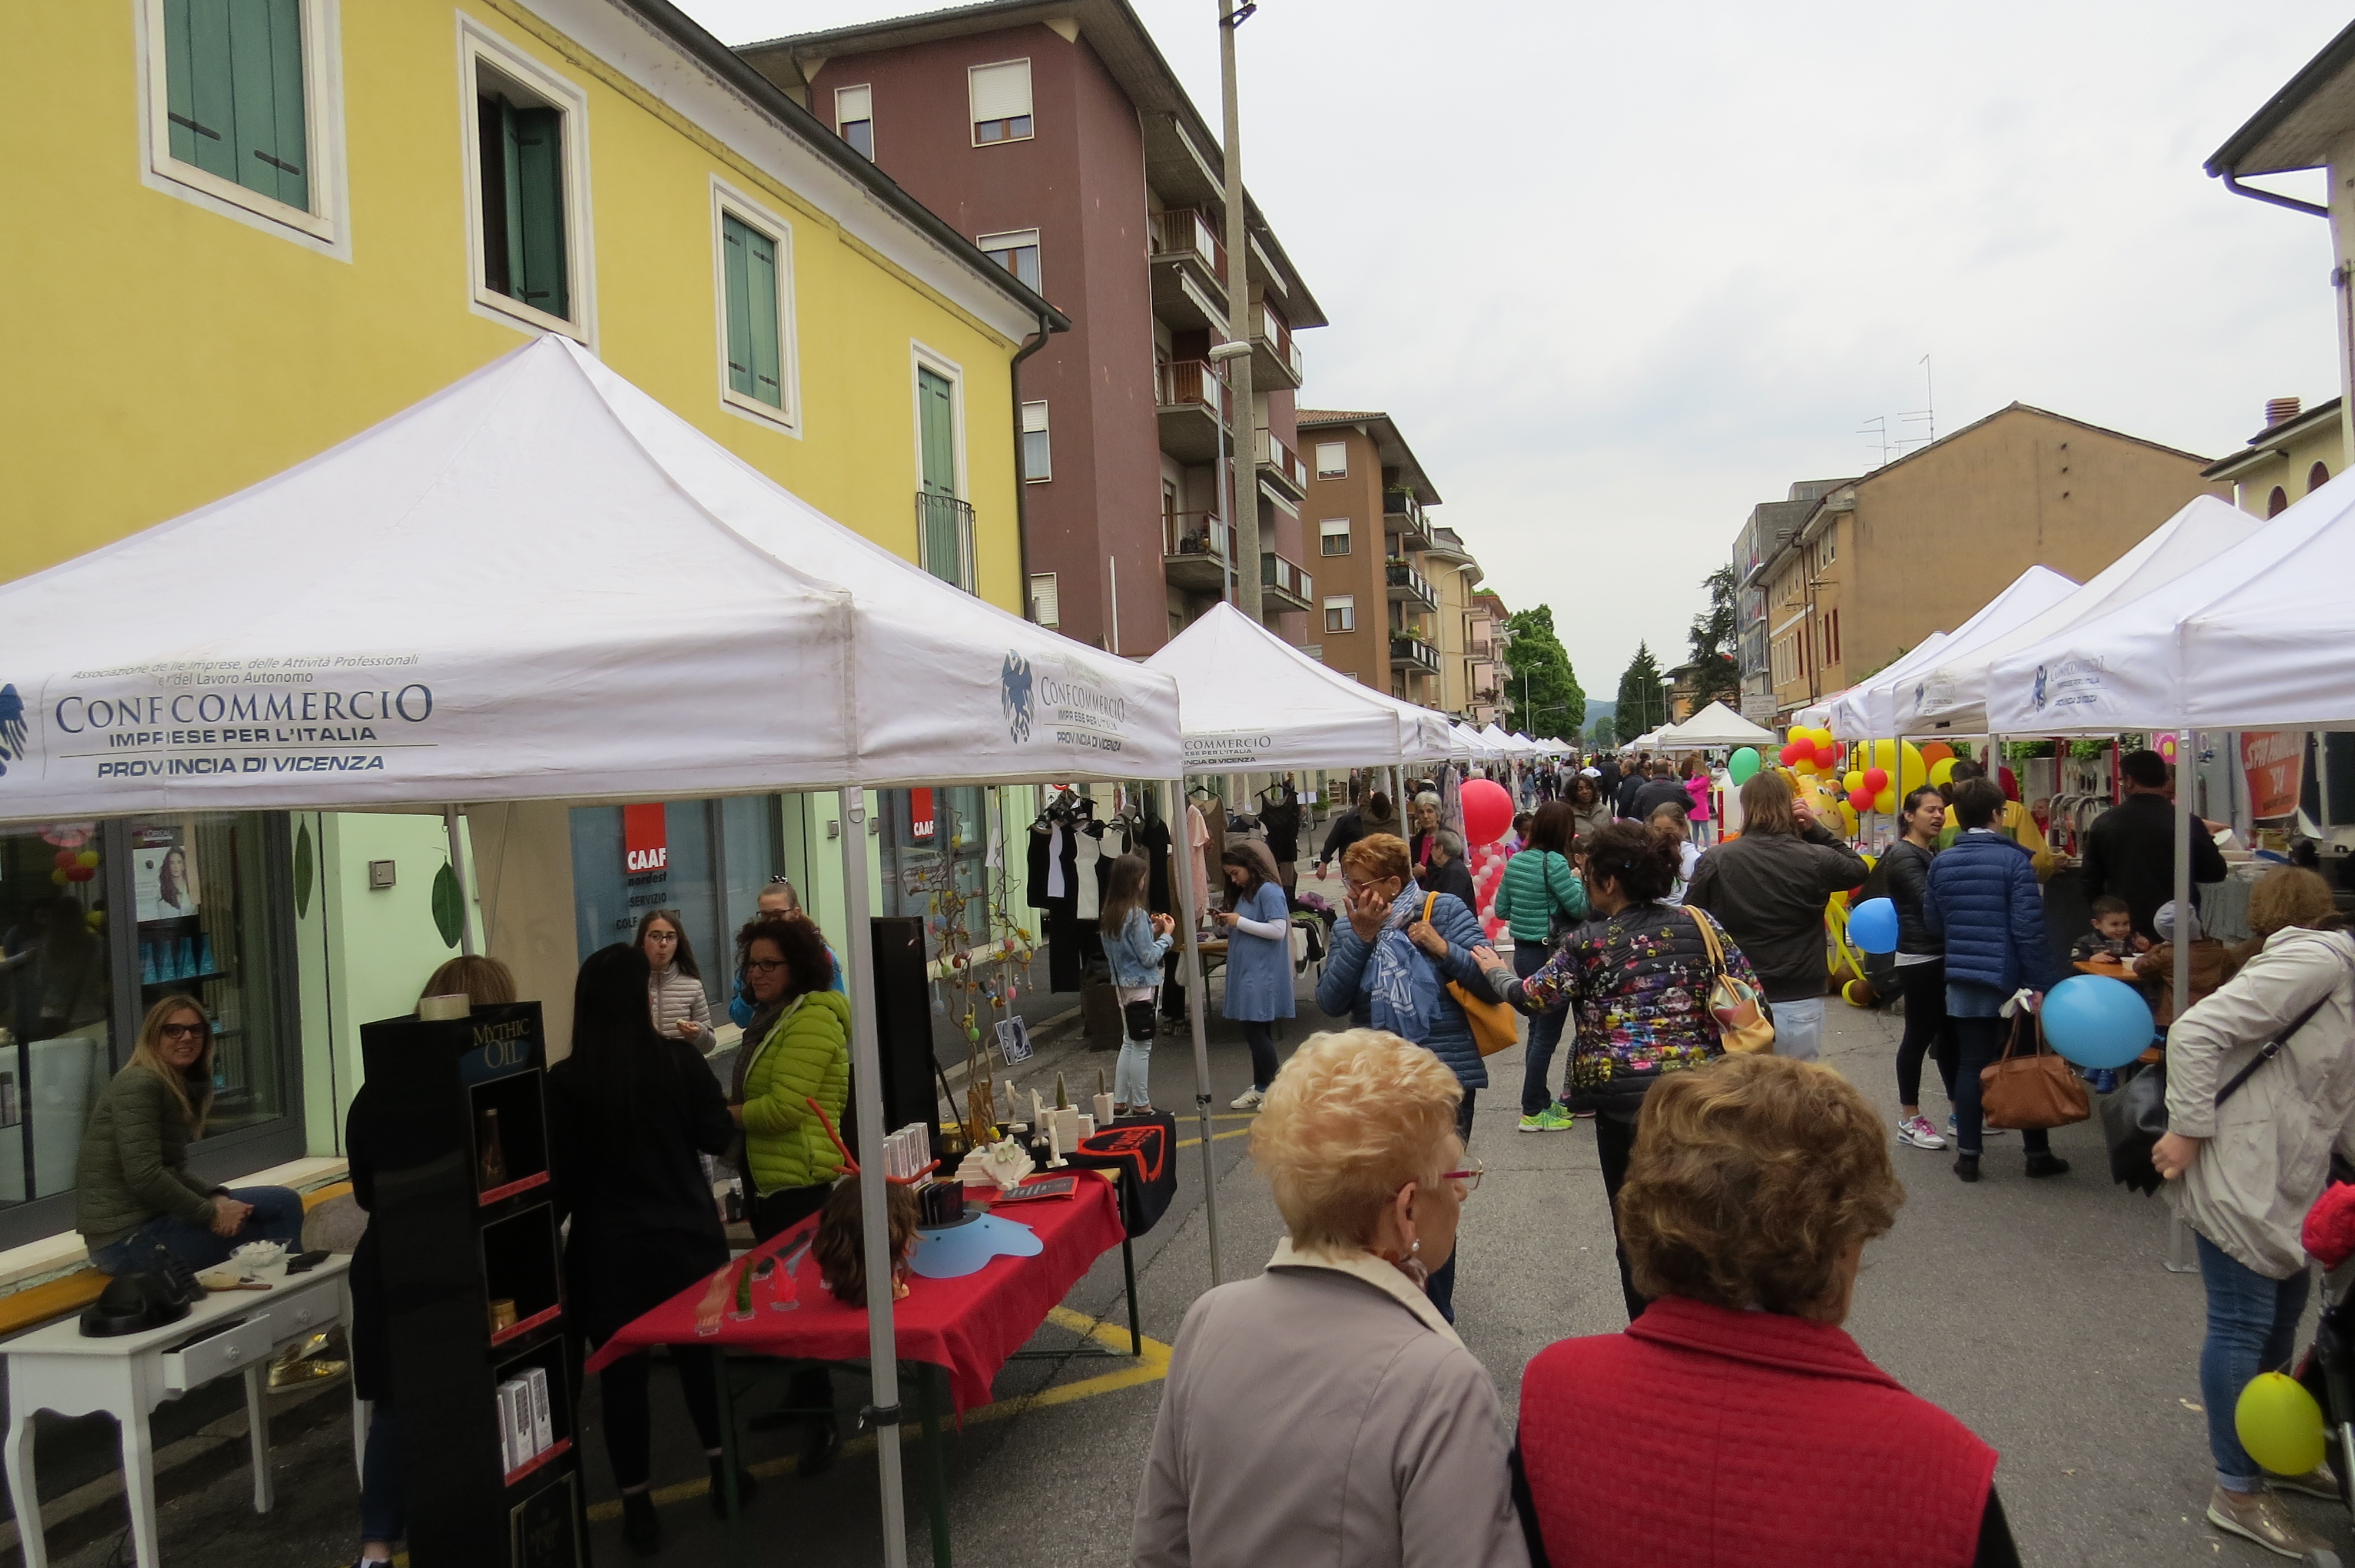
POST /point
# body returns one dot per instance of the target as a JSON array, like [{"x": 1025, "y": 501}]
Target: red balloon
[
  {"x": 67, "y": 860},
  {"x": 1861, "y": 799},
  {"x": 1488, "y": 810},
  {"x": 80, "y": 872},
  {"x": 1796, "y": 750},
  {"x": 1824, "y": 757},
  {"x": 1876, "y": 780}
]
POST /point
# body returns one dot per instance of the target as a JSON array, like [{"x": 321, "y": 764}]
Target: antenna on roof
[
  {"x": 1877, "y": 429},
  {"x": 1927, "y": 416}
]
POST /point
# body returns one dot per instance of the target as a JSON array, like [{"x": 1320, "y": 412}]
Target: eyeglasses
[
  {"x": 763, "y": 966},
  {"x": 1469, "y": 1176},
  {"x": 184, "y": 1031},
  {"x": 662, "y": 935}
]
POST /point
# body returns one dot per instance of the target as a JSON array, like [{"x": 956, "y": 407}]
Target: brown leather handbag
[{"x": 2038, "y": 1089}]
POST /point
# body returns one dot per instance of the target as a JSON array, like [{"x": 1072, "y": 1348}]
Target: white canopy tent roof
[
  {"x": 1249, "y": 699},
  {"x": 536, "y": 583},
  {"x": 1868, "y": 711},
  {"x": 1951, "y": 697},
  {"x": 1505, "y": 747},
  {"x": 1716, "y": 725},
  {"x": 1472, "y": 744},
  {"x": 2261, "y": 636}
]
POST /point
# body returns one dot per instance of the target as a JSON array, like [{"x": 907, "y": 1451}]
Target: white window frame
[
  {"x": 1346, "y": 604},
  {"x": 1347, "y": 537},
  {"x": 1341, "y": 472},
  {"x": 325, "y": 227},
  {"x": 728, "y": 201},
  {"x": 479, "y": 49},
  {"x": 991, "y": 245},
  {"x": 973, "y": 126},
  {"x": 1053, "y": 594},
  {"x": 1045, "y": 428},
  {"x": 869, "y": 89},
  {"x": 922, "y": 357}
]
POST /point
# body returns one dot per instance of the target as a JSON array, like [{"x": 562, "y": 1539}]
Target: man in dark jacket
[
  {"x": 2130, "y": 848},
  {"x": 1664, "y": 789},
  {"x": 1768, "y": 888},
  {"x": 1622, "y": 802}
]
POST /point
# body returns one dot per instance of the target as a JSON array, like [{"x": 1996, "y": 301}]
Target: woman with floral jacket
[{"x": 1636, "y": 978}]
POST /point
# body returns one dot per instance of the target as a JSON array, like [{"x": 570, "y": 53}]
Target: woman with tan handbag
[
  {"x": 1637, "y": 977},
  {"x": 1984, "y": 903}
]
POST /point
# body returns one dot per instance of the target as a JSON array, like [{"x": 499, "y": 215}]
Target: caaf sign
[{"x": 646, "y": 842}]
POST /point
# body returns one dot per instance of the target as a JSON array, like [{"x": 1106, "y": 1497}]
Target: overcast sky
[{"x": 1620, "y": 272}]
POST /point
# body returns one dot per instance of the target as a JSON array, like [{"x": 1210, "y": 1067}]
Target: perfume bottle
[{"x": 493, "y": 1154}]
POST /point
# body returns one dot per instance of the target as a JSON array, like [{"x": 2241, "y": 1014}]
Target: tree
[
  {"x": 1542, "y": 696},
  {"x": 1604, "y": 735},
  {"x": 1643, "y": 702},
  {"x": 1716, "y": 677}
]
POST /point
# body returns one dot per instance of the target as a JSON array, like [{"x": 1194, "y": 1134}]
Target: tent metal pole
[
  {"x": 1181, "y": 871},
  {"x": 2187, "y": 745},
  {"x": 858, "y": 948},
  {"x": 449, "y": 818}
]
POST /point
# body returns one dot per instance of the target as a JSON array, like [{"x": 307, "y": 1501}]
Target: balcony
[
  {"x": 1192, "y": 399},
  {"x": 945, "y": 537},
  {"x": 1275, "y": 357},
  {"x": 1281, "y": 465},
  {"x": 1412, "y": 653},
  {"x": 1286, "y": 582},
  {"x": 1194, "y": 551},
  {"x": 1402, "y": 515},
  {"x": 1189, "y": 270},
  {"x": 1410, "y": 586}
]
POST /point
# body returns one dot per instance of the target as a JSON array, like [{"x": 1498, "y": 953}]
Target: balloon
[
  {"x": 63, "y": 859},
  {"x": 1743, "y": 765},
  {"x": 2097, "y": 1022},
  {"x": 2165, "y": 747},
  {"x": 2277, "y": 1420},
  {"x": 1791, "y": 753},
  {"x": 1861, "y": 799},
  {"x": 1876, "y": 780},
  {"x": 1937, "y": 751},
  {"x": 1942, "y": 770},
  {"x": 1824, "y": 758},
  {"x": 79, "y": 874},
  {"x": 1885, "y": 803},
  {"x": 1872, "y": 926},
  {"x": 57, "y": 875},
  {"x": 1852, "y": 780},
  {"x": 1488, "y": 810}
]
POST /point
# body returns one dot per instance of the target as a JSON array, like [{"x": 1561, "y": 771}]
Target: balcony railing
[
  {"x": 1194, "y": 533},
  {"x": 1272, "y": 338},
  {"x": 1414, "y": 653},
  {"x": 1188, "y": 231},
  {"x": 1401, "y": 504},
  {"x": 1274, "y": 454},
  {"x": 1406, "y": 583},
  {"x": 945, "y": 537},
  {"x": 1192, "y": 384},
  {"x": 1287, "y": 579}
]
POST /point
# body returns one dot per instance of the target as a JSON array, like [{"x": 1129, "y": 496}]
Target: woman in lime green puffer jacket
[{"x": 796, "y": 1049}]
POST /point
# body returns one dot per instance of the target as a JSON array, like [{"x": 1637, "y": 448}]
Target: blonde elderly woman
[{"x": 1325, "y": 1412}]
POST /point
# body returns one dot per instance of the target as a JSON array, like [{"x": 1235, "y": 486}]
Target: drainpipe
[
  {"x": 1022, "y": 484},
  {"x": 2232, "y": 183}
]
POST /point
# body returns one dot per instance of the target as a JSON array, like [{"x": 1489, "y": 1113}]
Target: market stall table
[{"x": 964, "y": 1329}]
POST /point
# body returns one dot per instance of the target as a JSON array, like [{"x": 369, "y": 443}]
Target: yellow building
[
  {"x": 1454, "y": 575},
  {"x": 2293, "y": 456},
  {"x": 244, "y": 230}
]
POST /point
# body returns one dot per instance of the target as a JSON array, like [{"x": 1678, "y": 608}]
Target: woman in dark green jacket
[{"x": 135, "y": 1203}]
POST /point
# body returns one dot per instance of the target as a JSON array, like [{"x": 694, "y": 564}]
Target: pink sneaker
[{"x": 1917, "y": 1131}]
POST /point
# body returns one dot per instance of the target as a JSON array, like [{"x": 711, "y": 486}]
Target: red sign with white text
[
  {"x": 646, "y": 842},
  {"x": 922, "y": 823},
  {"x": 2275, "y": 760}
]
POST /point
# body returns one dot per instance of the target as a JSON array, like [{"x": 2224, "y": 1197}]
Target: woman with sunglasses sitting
[{"x": 134, "y": 1201}]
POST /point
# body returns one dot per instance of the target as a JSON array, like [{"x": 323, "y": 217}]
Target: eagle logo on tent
[
  {"x": 2037, "y": 696},
  {"x": 12, "y": 727},
  {"x": 1014, "y": 695}
]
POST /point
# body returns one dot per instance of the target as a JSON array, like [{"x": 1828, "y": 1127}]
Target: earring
[{"x": 1412, "y": 1247}]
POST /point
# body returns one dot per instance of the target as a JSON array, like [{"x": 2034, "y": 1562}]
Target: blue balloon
[
  {"x": 1872, "y": 925},
  {"x": 2097, "y": 1022}
]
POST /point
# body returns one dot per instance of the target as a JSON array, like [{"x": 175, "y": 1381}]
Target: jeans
[
  {"x": 1440, "y": 1288},
  {"x": 1799, "y": 1028},
  {"x": 1128, "y": 1074},
  {"x": 1978, "y": 1045},
  {"x": 1260, "y": 1037},
  {"x": 1545, "y": 1033},
  {"x": 629, "y": 1417},
  {"x": 384, "y": 1492},
  {"x": 1615, "y": 1140},
  {"x": 1927, "y": 1029},
  {"x": 2251, "y": 1327},
  {"x": 277, "y": 1216}
]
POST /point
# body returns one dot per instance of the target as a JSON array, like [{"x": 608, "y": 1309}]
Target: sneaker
[
  {"x": 1557, "y": 1119},
  {"x": 1989, "y": 1131},
  {"x": 1917, "y": 1131},
  {"x": 2102, "y": 1080},
  {"x": 2318, "y": 1482},
  {"x": 2261, "y": 1517},
  {"x": 1533, "y": 1123},
  {"x": 1249, "y": 1099}
]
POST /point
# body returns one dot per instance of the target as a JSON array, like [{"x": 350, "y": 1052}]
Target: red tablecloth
[{"x": 970, "y": 1326}]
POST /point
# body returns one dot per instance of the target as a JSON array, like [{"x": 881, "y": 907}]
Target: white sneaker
[
  {"x": 1917, "y": 1131},
  {"x": 1249, "y": 1099}
]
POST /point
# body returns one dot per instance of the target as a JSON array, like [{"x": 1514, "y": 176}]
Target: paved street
[{"x": 2040, "y": 1313}]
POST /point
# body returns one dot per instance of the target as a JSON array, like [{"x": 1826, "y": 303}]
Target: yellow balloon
[
  {"x": 1911, "y": 775},
  {"x": 2279, "y": 1424},
  {"x": 87, "y": 858},
  {"x": 1942, "y": 770},
  {"x": 1885, "y": 803},
  {"x": 1852, "y": 780},
  {"x": 1806, "y": 765}
]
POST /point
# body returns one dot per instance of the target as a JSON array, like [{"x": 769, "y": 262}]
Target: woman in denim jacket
[{"x": 1134, "y": 943}]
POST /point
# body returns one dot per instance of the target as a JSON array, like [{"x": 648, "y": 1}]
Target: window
[
  {"x": 1017, "y": 252},
  {"x": 1332, "y": 537},
  {"x": 237, "y": 102},
  {"x": 1341, "y": 613},
  {"x": 1833, "y": 622},
  {"x": 1000, "y": 96},
  {"x": 1046, "y": 604},
  {"x": 1827, "y": 552},
  {"x": 853, "y": 119},
  {"x": 943, "y": 520},
  {"x": 2316, "y": 477},
  {"x": 528, "y": 175},
  {"x": 748, "y": 262},
  {"x": 2277, "y": 502},
  {"x": 1332, "y": 460},
  {"x": 1037, "y": 458}
]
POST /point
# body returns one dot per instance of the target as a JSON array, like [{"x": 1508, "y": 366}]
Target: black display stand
[{"x": 452, "y": 1245}]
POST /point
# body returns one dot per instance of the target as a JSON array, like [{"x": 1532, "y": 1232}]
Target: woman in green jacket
[{"x": 1540, "y": 894}]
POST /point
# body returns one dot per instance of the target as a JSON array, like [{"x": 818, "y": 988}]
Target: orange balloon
[{"x": 1936, "y": 751}]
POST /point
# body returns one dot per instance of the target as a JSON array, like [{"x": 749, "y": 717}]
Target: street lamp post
[{"x": 1236, "y": 352}]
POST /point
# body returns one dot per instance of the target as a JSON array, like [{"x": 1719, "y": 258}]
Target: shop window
[
  {"x": 237, "y": 101},
  {"x": 56, "y": 987},
  {"x": 704, "y": 861},
  {"x": 933, "y": 840},
  {"x": 853, "y": 119}
]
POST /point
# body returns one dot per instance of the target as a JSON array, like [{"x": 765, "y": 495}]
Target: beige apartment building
[
  {"x": 1874, "y": 564},
  {"x": 1378, "y": 606},
  {"x": 1485, "y": 638},
  {"x": 1454, "y": 574},
  {"x": 2292, "y": 457}
]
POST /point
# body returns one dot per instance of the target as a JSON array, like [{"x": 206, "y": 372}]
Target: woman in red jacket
[{"x": 1735, "y": 1420}]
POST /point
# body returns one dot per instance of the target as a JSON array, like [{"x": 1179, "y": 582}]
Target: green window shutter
[
  {"x": 196, "y": 85},
  {"x": 233, "y": 94},
  {"x": 760, "y": 269},
  {"x": 490, "y": 136},
  {"x": 537, "y": 177},
  {"x": 735, "y": 241},
  {"x": 288, "y": 155},
  {"x": 936, "y": 431},
  {"x": 511, "y": 200}
]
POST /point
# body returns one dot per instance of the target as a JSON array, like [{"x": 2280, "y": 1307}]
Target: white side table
[{"x": 56, "y": 1367}]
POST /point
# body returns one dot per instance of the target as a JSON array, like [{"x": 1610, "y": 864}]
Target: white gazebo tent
[
  {"x": 1868, "y": 711},
  {"x": 1716, "y": 725},
  {"x": 540, "y": 584},
  {"x": 1249, "y": 702}
]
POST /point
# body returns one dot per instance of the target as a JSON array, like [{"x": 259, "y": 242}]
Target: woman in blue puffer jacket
[
  {"x": 1984, "y": 902},
  {"x": 1390, "y": 967}
]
